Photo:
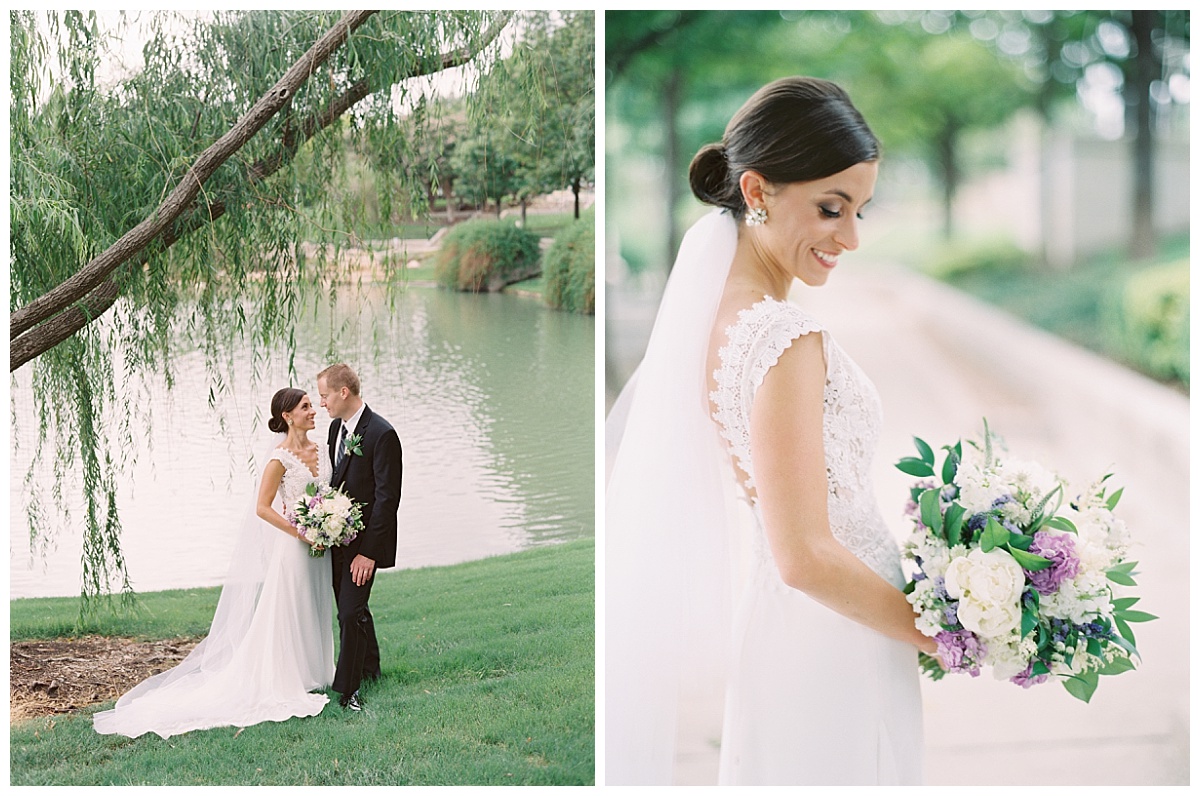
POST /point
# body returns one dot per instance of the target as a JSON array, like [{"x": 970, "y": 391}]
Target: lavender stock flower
[
  {"x": 961, "y": 651},
  {"x": 1026, "y": 679},
  {"x": 1064, "y": 563}
]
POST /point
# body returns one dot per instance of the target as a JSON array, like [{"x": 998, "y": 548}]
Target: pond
[{"x": 493, "y": 397}]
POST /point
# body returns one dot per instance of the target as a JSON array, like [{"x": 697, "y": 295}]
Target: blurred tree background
[{"x": 1037, "y": 159}]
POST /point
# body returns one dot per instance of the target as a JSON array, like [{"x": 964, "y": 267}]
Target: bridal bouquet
[
  {"x": 1009, "y": 577},
  {"x": 327, "y": 517}
]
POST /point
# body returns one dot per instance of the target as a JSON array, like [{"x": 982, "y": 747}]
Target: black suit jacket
[{"x": 373, "y": 479}]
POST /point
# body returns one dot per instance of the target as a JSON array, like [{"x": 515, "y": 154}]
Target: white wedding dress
[
  {"x": 701, "y": 634},
  {"x": 271, "y": 642},
  {"x": 813, "y": 697}
]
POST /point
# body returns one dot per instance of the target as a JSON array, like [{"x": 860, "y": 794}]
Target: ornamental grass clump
[
  {"x": 484, "y": 256},
  {"x": 570, "y": 269}
]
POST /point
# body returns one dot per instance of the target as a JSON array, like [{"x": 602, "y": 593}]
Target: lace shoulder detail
[
  {"x": 297, "y": 476},
  {"x": 756, "y": 340}
]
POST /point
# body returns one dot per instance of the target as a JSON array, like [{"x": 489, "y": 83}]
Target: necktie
[{"x": 341, "y": 447}]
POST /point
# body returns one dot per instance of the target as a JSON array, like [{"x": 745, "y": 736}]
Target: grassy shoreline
[{"x": 488, "y": 679}]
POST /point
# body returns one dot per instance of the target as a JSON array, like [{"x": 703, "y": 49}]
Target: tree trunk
[
  {"x": 672, "y": 97},
  {"x": 575, "y": 189},
  {"x": 1143, "y": 241},
  {"x": 947, "y": 160},
  {"x": 524, "y": 204},
  {"x": 448, "y": 192}
]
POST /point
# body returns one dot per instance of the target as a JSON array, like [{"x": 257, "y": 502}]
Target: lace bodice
[
  {"x": 852, "y": 420},
  {"x": 297, "y": 476}
]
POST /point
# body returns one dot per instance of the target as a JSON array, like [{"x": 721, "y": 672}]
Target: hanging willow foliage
[{"x": 170, "y": 206}]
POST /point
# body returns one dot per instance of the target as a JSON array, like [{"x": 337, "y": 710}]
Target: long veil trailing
[
  {"x": 670, "y": 506},
  {"x": 242, "y": 586}
]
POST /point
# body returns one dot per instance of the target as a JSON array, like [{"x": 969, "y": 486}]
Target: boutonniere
[{"x": 354, "y": 444}]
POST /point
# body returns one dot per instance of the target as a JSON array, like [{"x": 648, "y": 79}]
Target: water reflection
[{"x": 492, "y": 397}]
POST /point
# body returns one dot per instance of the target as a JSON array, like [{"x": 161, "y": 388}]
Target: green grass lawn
[{"x": 488, "y": 679}]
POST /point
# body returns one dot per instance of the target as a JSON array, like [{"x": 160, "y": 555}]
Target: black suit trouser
[{"x": 358, "y": 656}]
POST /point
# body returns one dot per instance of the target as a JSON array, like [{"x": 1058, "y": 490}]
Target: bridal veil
[{"x": 670, "y": 514}]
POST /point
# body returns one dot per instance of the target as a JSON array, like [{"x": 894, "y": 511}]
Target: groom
[{"x": 366, "y": 456}]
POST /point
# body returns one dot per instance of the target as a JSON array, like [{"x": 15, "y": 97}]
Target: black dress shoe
[{"x": 351, "y": 701}]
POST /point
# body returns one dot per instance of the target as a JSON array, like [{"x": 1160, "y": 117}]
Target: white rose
[{"x": 988, "y": 587}]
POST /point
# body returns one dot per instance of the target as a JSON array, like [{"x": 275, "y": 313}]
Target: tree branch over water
[{"x": 92, "y": 291}]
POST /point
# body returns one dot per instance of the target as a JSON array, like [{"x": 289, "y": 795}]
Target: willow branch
[
  {"x": 53, "y": 331},
  {"x": 81, "y": 283},
  {"x": 259, "y": 171}
]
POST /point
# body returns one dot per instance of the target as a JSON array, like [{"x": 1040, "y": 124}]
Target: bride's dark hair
[
  {"x": 285, "y": 400},
  {"x": 796, "y": 129}
]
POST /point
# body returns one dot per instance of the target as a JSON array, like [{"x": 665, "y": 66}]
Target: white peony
[
  {"x": 339, "y": 504},
  {"x": 988, "y": 589}
]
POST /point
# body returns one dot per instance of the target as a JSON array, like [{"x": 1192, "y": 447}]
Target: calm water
[{"x": 493, "y": 398}]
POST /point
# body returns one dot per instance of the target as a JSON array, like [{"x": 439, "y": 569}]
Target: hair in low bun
[
  {"x": 285, "y": 400},
  {"x": 796, "y": 129},
  {"x": 709, "y": 176}
]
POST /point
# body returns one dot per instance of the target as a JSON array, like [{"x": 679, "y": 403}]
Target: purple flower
[
  {"x": 1025, "y": 678},
  {"x": 1064, "y": 564},
  {"x": 961, "y": 651}
]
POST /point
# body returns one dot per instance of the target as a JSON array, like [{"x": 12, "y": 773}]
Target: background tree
[
  {"x": 1143, "y": 53},
  {"x": 105, "y": 272},
  {"x": 541, "y": 103}
]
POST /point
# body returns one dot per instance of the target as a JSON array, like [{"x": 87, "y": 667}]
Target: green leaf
[
  {"x": 1039, "y": 667},
  {"x": 994, "y": 535},
  {"x": 1120, "y": 577},
  {"x": 1095, "y": 647},
  {"x": 1125, "y": 631},
  {"x": 1028, "y": 622},
  {"x": 1019, "y": 541},
  {"x": 1061, "y": 524},
  {"x": 931, "y": 509},
  {"x": 953, "y": 524},
  {"x": 1082, "y": 686},
  {"x": 1122, "y": 603},
  {"x": 925, "y": 451},
  {"x": 1114, "y": 499},
  {"x": 1135, "y": 616},
  {"x": 1028, "y": 561},
  {"x": 950, "y": 466},
  {"x": 1117, "y": 666},
  {"x": 914, "y": 467},
  {"x": 1125, "y": 567}
]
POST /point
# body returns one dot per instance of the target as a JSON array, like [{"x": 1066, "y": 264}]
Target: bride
[
  {"x": 740, "y": 453},
  {"x": 271, "y": 640}
]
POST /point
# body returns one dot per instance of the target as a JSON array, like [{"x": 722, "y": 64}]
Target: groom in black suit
[{"x": 367, "y": 465}]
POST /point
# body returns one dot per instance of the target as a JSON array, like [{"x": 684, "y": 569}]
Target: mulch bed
[{"x": 65, "y": 675}]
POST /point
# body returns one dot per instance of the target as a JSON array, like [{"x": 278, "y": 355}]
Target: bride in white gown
[
  {"x": 271, "y": 641},
  {"x": 746, "y": 427}
]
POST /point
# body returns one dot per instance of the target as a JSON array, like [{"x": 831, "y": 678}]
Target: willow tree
[{"x": 175, "y": 199}]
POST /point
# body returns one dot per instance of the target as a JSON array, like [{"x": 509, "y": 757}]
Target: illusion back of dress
[
  {"x": 813, "y": 697},
  {"x": 852, "y": 420}
]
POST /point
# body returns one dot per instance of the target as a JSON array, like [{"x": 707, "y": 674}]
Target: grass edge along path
[{"x": 488, "y": 678}]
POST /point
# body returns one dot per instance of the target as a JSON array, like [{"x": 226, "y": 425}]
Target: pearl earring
[{"x": 756, "y": 217}]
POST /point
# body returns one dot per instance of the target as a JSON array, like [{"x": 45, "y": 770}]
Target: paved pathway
[{"x": 943, "y": 361}]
